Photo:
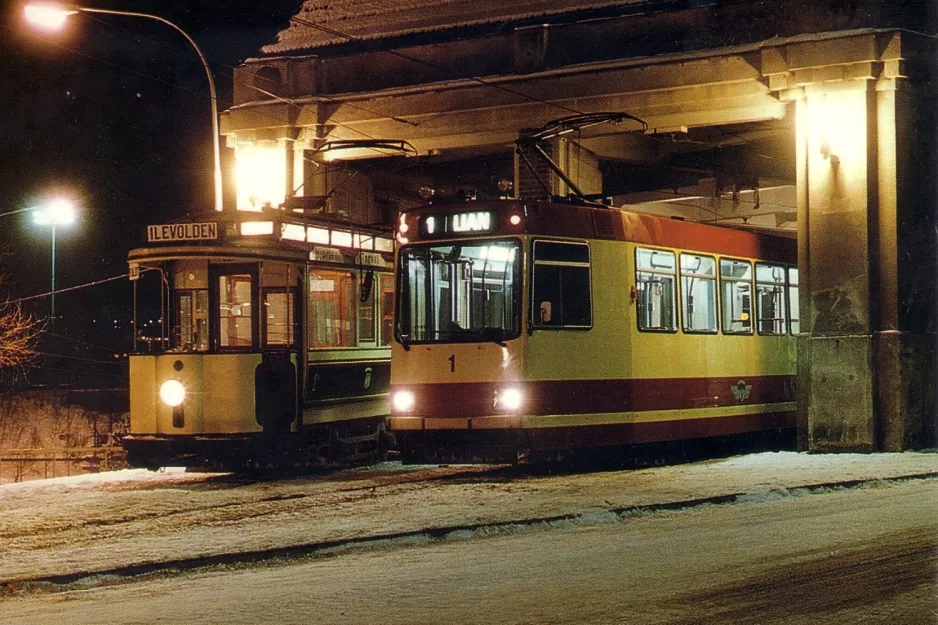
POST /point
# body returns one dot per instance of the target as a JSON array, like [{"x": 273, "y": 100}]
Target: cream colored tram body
[
  {"x": 525, "y": 328},
  {"x": 261, "y": 339}
]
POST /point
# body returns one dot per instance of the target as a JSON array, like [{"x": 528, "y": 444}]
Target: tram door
[{"x": 275, "y": 378}]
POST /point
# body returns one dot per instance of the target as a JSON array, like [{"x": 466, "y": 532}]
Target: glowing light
[
  {"x": 403, "y": 401},
  {"x": 384, "y": 245},
  {"x": 260, "y": 175},
  {"x": 58, "y": 212},
  {"x": 514, "y": 220},
  {"x": 47, "y": 15},
  {"x": 497, "y": 254},
  {"x": 249, "y": 228},
  {"x": 317, "y": 235},
  {"x": 293, "y": 232},
  {"x": 342, "y": 238},
  {"x": 509, "y": 399},
  {"x": 480, "y": 221},
  {"x": 364, "y": 241},
  {"x": 836, "y": 124},
  {"x": 172, "y": 392}
]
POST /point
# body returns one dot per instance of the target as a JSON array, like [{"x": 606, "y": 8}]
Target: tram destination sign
[
  {"x": 447, "y": 224},
  {"x": 206, "y": 231}
]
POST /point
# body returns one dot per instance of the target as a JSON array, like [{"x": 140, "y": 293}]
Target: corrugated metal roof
[{"x": 328, "y": 22}]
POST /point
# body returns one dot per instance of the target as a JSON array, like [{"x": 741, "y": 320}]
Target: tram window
[
  {"x": 236, "y": 317},
  {"x": 332, "y": 297},
  {"x": 387, "y": 309},
  {"x": 561, "y": 291},
  {"x": 736, "y": 291},
  {"x": 794, "y": 302},
  {"x": 770, "y": 299},
  {"x": 191, "y": 328},
  {"x": 698, "y": 293},
  {"x": 655, "y": 284},
  {"x": 278, "y": 317},
  {"x": 462, "y": 292}
]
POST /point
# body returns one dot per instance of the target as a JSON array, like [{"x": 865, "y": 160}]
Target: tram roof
[
  {"x": 279, "y": 235},
  {"x": 570, "y": 220}
]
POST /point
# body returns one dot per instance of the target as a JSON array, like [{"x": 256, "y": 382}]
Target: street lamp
[
  {"x": 57, "y": 212},
  {"x": 53, "y": 15}
]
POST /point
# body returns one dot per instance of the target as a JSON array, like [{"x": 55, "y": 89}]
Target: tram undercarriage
[
  {"x": 317, "y": 446},
  {"x": 534, "y": 445}
]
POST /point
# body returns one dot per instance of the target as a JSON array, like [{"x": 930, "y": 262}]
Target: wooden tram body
[
  {"x": 276, "y": 345},
  {"x": 528, "y": 328}
]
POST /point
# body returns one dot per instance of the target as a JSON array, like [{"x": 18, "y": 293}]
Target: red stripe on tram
[{"x": 559, "y": 397}]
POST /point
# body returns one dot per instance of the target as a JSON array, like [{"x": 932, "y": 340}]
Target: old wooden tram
[
  {"x": 527, "y": 328},
  {"x": 263, "y": 338}
]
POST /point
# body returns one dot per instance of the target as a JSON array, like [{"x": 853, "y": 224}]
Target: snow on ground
[
  {"x": 106, "y": 521},
  {"x": 164, "y": 475},
  {"x": 863, "y": 555}
]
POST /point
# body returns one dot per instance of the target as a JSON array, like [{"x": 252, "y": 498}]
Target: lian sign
[
  {"x": 458, "y": 223},
  {"x": 207, "y": 231}
]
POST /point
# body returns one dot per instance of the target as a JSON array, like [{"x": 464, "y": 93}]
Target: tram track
[
  {"x": 364, "y": 487},
  {"x": 284, "y": 555}
]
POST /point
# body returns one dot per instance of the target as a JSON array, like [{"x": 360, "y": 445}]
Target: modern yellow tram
[
  {"x": 273, "y": 342},
  {"x": 538, "y": 328}
]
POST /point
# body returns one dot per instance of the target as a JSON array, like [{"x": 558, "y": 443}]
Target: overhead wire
[{"x": 71, "y": 288}]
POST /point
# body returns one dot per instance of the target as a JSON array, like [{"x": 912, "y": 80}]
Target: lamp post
[
  {"x": 17, "y": 211},
  {"x": 58, "y": 212},
  {"x": 52, "y": 16}
]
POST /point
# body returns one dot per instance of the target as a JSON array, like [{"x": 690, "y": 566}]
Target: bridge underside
[{"x": 828, "y": 136}]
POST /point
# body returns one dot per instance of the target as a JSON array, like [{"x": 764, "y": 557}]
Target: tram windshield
[{"x": 460, "y": 292}]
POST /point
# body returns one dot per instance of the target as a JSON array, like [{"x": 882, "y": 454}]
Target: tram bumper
[
  {"x": 489, "y": 439},
  {"x": 153, "y": 451}
]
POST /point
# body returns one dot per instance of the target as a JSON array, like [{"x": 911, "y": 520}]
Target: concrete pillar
[{"x": 865, "y": 365}]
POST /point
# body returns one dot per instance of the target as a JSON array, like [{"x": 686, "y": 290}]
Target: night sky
[{"x": 116, "y": 112}]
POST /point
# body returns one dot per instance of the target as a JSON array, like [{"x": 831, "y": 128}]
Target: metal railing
[{"x": 17, "y": 465}]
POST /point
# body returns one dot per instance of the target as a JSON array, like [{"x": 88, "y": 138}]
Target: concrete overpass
[{"x": 815, "y": 120}]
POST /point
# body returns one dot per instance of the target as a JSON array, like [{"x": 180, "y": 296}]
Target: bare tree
[{"x": 18, "y": 335}]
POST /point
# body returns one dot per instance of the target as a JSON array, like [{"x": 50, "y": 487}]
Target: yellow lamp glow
[
  {"x": 173, "y": 393},
  {"x": 260, "y": 175},
  {"x": 509, "y": 399},
  {"x": 47, "y": 15},
  {"x": 403, "y": 401}
]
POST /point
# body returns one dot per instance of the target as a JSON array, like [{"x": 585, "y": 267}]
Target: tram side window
[
  {"x": 561, "y": 290},
  {"x": 191, "y": 328},
  {"x": 794, "y": 302},
  {"x": 736, "y": 282},
  {"x": 387, "y": 309},
  {"x": 236, "y": 317},
  {"x": 770, "y": 299},
  {"x": 332, "y": 308},
  {"x": 698, "y": 293},
  {"x": 655, "y": 283},
  {"x": 278, "y": 317}
]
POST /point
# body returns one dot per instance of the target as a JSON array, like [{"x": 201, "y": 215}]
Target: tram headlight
[
  {"x": 172, "y": 392},
  {"x": 508, "y": 399},
  {"x": 403, "y": 401}
]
